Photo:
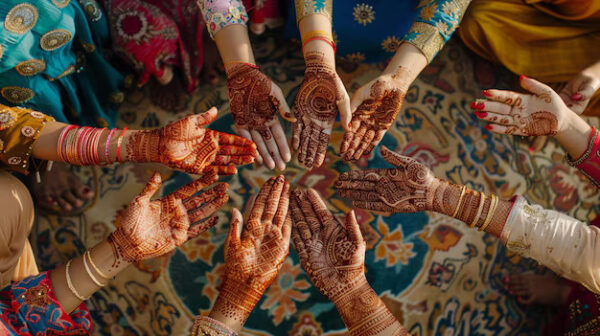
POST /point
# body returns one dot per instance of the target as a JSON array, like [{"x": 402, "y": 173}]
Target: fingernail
[
  {"x": 349, "y": 125},
  {"x": 481, "y": 114},
  {"x": 86, "y": 190},
  {"x": 486, "y": 93},
  {"x": 477, "y": 105},
  {"x": 523, "y": 77},
  {"x": 531, "y": 149},
  {"x": 488, "y": 127},
  {"x": 576, "y": 96}
]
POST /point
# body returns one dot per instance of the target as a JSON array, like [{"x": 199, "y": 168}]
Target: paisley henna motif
[
  {"x": 375, "y": 114},
  {"x": 332, "y": 254},
  {"x": 152, "y": 228},
  {"x": 315, "y": 110},
  {"x": 254, "y": 255},
  {"x": 186, "y": 145}
]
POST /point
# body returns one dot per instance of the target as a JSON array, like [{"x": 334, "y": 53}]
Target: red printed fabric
[
  {"x": 261, "y": 10},
  {"x": 153, "y": 33},
  {"x": 30, "y": 307}
]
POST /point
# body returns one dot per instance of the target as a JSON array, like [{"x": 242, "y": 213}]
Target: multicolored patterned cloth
[{"x": 436, "y": 275}]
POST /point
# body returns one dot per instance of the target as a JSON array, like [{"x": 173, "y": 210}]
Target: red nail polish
[
  {"x": 486, "y": 93},
  {"x": 522, "y": 77},
  {"x": 477, "y": 105},
  {"x": 488, "y": 127},
  {"x": 350, "y": 125},
  {"x": 576, "y": 96},
  {"x": 481, "y": 114},
  {"x": 531, "y": 149},
  {"x": 86, "y": 190}
]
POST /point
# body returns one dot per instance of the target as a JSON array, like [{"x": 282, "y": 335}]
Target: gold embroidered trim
[
  {"x": 307, "y": 7},
  {"x": 427, "y": 39},
  {"x": 30, "y": 67},
  {"x": 16, "y": 95},
  {"x": 60, "y": 3},
  {"x": 55, "y": 39},
  {"x": 21, "y": 18}
]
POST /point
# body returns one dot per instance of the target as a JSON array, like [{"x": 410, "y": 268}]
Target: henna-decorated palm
[
  {"x": 254, "y": 101},
  {"x": 579, "y": 91},
  {"x": 152, "y": 228},
  {"x": 542, "y": 113},
  {"x": 255, "y": 251},
  {"x": 410, "y": 187},
  {"x": 188, "y": 146},
  {"x": 331, "y": 253},
  {"x": 375, "y": 107},
  {"x": 321, "y": 95}
]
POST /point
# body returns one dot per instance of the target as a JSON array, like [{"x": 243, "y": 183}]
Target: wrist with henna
[
  {"x": 364, "y": 313},
  {"x": 143, "y": 146},
  {"x": 235, "y": 301},
  {"x": 476, "y": 209}
]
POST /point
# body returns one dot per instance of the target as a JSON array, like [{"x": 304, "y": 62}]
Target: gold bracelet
[
  {"x": 462, "y": 194},
  {"x": 479, "y": 210},
  {"x": 491, "y": 210},
  {"x": 89, "y": 272},
  {"x": 70, "y": 284},
  {"x": 89, "y": 256}
]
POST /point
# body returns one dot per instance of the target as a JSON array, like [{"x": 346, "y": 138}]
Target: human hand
[
  {"x": 152, "y": 228},
  {"x": 254, "y": 99},
  {"x": 186, "y": 145},
  {"x": 331, "y": 253},
  {"x": 254, "y": 253},
  {"x": 374, "y": 108},
  {"x": 579, "y": 91},
  {"x": 542, "y": 113},
  {"x": 321, "y": 95},
  {"x": 410, "y": 187}
]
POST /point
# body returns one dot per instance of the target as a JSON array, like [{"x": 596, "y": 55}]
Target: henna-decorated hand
[
  {"x": 410, "y": 187},
  {"x": 152, "y": 228},
  {"x": 543, "y": 113},
  {"x": 331, "y": 253},
  {"x": 186, "y": 145},
  {"x": 374, "y": 108},
  {"x": 321, "y": 95},
  {"x": 579, "y": 91},
  {"x": 333, "y": 256},
  {"x": 254, "y": 252},
  {"x": 254, "y": 100}
]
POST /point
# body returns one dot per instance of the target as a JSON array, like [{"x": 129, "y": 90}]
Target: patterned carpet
[{"x": 436, "y": 275}]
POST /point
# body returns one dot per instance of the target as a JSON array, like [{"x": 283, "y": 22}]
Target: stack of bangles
[
  {"x": 81, "y": 145},
  {"x": 318, "y": 35},
  {"x": 87, "y": 262},
  {"x": 465, "y": 207},
  {"x": 589, "y": 162}
]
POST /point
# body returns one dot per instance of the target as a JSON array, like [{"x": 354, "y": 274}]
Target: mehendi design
[
  {"x": 253, "y": 258},
  {"x": 315, "y": 110},
  {"x": 332, "y": 254},
  {"x": 375, "y": 115},
  {"x": 186, "y": 145},
  {"x": 152, "y": 228}
]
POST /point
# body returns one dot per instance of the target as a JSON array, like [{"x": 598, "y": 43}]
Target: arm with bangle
[
  {"x": 322, "y": 93},
  {"x": 254, "y": 99}
]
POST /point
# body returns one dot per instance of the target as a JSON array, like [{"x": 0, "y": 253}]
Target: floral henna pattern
[
  {"x": 254, "y": 256},
  {"x": 187, "y": 145},
  {"x": 152, "y": 228},
  {"x": 375, "y": 114},
  {"x": 315, "y": 110},
  {"x": 543, "y": 113},
  {"x": 252, "y": 104},
  {"x": 332, "y": 255}
]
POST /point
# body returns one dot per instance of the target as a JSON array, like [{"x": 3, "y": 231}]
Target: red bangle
[
  {"x": 321, "y": 38},
  {"x": 119, "y": 141}
]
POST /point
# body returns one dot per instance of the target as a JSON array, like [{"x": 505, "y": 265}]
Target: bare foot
[
  {"x": 545, "y": 289},
  {"x": 171, "y": 96},
  {"x": 211, "y": 61},
  {"x": 60, "y": 190}
]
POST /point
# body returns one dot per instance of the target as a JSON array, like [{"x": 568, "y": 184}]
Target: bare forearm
[
  {"x": 575, "y": 137},
  {"x": 105, "y": 261},
  {"x": 234, "y": 45},
  {"x": 407, "y": 57}
]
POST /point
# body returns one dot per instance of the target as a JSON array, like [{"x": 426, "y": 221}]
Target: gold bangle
[
  {"x": 479, "y": 210},
  {"x": 70, "y": 284},
  {"x": 462, "y": 194},
  {"x": 89, "y": 256},
  {"x": 89, "y": 272},
  {"x": 489, "y": 217}
]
